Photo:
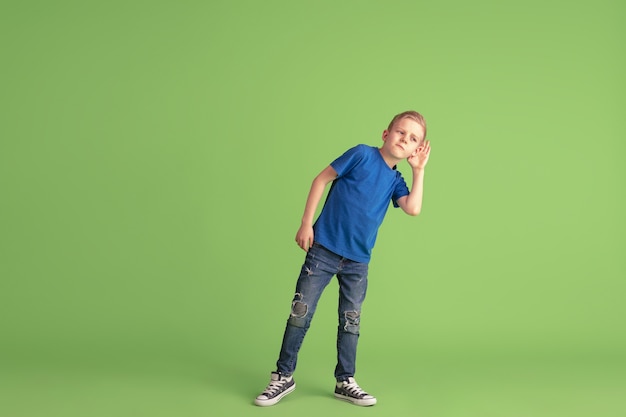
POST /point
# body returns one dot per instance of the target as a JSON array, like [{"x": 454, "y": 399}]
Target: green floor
[{"x": 423, "y": 384}]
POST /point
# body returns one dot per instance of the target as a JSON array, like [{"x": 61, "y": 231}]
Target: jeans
[{"x": 318, "y": 269}]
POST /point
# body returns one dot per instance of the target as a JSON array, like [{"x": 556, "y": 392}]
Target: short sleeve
[
  {"x": 400, "y": 189},
  {"x": 348, "y": 160}
]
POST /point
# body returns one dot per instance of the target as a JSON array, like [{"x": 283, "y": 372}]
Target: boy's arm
[
  {"x": 304, "y": 237},
  {"x": 412, "y": 203}
]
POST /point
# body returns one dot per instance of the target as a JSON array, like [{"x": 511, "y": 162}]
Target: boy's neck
[{"x": 389, "y": 160}]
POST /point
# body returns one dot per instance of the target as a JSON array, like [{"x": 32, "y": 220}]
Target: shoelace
[
  {"x": 274, "y": 386},
  {"x": 355, "y": 390}
]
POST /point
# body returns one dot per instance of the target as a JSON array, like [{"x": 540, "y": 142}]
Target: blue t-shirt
[{"x": 357, "y": 202}]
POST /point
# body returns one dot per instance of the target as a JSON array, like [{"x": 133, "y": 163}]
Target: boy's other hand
[
  {"x": 304, "y": 237},
  {"x": 420, "y": 158}
]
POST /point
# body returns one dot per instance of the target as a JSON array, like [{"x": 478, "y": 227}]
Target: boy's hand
[
  {"x": 304, "y": 237},
  {"x": 420, "y": 158}
]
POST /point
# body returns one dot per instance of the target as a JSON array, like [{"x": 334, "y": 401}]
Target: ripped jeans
[{"x": 317, "y": 271}]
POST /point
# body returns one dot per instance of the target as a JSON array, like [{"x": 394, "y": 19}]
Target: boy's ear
[{"x": 385, "y": 134}]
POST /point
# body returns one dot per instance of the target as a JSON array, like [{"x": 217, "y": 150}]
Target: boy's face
[{"x": 403, "y": 139}]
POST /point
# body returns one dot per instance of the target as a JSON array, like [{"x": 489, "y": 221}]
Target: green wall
[{"x": 155, "y": 159}]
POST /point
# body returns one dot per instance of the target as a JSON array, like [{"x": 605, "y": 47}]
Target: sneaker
[
  {"x": 350, "y": 391},
  {"x": 278, "y": 387}
]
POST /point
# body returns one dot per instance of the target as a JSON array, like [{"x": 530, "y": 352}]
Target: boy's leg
[
  {"x": 352, "y": 291},
  {"x": 318, "y": 269}
]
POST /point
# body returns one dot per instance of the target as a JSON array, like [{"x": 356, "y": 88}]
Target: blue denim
[{"x": 318, "y": 269}]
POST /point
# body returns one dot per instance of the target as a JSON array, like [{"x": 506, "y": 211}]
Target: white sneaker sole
[{"x": 362, "y": 402}]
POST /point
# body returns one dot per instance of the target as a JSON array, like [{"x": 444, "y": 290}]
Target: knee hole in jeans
[
  {"x": 299, "y": 309},
  {"x": 353, "y": 321}
]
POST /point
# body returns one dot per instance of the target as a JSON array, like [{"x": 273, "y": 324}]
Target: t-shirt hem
[{"x": 343, "y": 253}]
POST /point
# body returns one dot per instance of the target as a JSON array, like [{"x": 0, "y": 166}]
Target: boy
[{"x": 340, "y": 242}]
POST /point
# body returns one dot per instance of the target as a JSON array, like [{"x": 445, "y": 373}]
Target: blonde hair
[{"x": 410, "y": 114}]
